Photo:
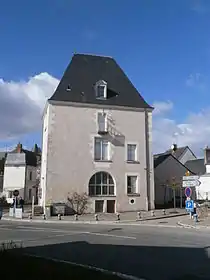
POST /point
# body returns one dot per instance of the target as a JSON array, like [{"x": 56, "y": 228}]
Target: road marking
[
  {"x": 110, "y": 235},
  {"x": 105, "y": 271}
]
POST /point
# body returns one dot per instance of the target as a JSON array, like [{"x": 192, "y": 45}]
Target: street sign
[
  {"x": 190, "y": 183},
  {"x": 188, "y": 192},
  {"x": 16, "y": 192},
  {"x": 189, "y": 205},
  {"x": 190, "y": 178}
]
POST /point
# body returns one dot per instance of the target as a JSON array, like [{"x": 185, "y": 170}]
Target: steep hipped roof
[
  {"x": 177, "y": 153},
  {"x": 197, "y": 166},
  {"x": 84, "y": 71},
  {"x": 158, "y": 159}
]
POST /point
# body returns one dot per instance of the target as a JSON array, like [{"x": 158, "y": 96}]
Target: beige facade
[{"x": 69, "y": 132}]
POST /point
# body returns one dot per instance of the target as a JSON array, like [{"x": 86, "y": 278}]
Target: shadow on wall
[{"x": 147, "y": 262}]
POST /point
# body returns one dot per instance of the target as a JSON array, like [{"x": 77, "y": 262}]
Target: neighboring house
[
  {"x": 201, "y": 167},
  {"x": 20, "y": 174},
  {"x": 168, "y": 173},
  {"x": 97, "y": 139},
  {"x": 2, "y": 161},
  {"x": 183, "y": 154}
]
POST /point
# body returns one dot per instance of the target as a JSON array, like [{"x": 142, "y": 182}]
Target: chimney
[
  {"x": 174, "y": 147},
  {"x": 19, "y": 148}
]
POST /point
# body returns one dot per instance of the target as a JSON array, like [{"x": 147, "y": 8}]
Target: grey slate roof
[
  {"x": 158, "y": 159},
  {"x": 15, "y": 159},
  {"x": 197, "y": 166},
  {"x": 84, "y": 71},
  {"x": 177, "y": 154},
  {"x": 2, "y": 155},
  {"x": 25, "y": 157}
]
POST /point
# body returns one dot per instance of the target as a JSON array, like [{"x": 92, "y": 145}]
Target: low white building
[
  {"x": 201, "y": 167},
  {"x": 20, "y": 174}
]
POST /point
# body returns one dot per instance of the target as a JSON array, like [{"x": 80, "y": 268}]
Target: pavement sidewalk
[
  {"x": 187, "y": 222},
  {"x": 128, "y": 218}
]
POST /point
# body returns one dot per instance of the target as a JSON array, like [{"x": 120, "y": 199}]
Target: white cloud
[
  {"x": 22, "y": 103},
  {"x": 162, "y": 107},
  {"x": 194, "y": 132}
]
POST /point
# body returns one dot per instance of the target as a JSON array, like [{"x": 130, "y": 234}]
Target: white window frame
[
  {"x": 101, "y": 83},
  {"x": 100, "y": 185},
  {"x": 101, "y": 139},
  {"x": 137, "y": 151},
  {"x": 104, "y": 115},
  {"x": 137, "y": 183}
]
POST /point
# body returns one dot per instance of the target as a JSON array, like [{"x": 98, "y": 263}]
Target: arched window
[{"x": 101, "y": 183}]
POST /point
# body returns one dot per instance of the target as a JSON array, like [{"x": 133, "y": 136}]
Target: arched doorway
[{"x": 102, "y": 184}]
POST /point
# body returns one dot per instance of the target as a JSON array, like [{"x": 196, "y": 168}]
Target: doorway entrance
[
  {"x": 110, "y": 206},
  {"x": 99, "y": 206}
]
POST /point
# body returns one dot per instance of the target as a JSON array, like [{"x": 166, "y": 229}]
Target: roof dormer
[{"x": 101, "y": 89}]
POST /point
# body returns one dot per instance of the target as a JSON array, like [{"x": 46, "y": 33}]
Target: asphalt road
[{"x": 149, "y": 252}]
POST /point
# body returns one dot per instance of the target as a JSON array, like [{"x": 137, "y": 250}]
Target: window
[
  {"x": 101, "y": 89},
  {"x": 30, "y": 175},
  {"x": 101, "y": 183},
  {"x": 131, "y": 152},
  {"x": 131, "y": 184},
  {"x": 102, "y": 122},
  {"x": 101, "y": 149},
  {"x": 29, "y": 194},
  {"x": 10, "y": 194}
]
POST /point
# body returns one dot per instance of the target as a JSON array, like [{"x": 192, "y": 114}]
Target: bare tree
[{"x": 78, "y": 202}]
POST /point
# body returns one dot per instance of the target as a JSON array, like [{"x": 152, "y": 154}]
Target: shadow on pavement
[{"x": 147, "y": 262}]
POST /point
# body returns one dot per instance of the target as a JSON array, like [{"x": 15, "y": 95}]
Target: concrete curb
[
  {"x": 88, "y": 223},
  {"x": 137, "y": 221},
  {"x": 191, "y": 226}
]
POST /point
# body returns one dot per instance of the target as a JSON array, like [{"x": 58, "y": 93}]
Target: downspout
[{"x": 148, "y": 165}]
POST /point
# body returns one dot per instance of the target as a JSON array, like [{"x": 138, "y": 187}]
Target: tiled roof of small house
[{"x": 197, "y": 166}]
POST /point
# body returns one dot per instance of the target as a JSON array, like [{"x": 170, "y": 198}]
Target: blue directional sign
[{"x": 189, "y": 205}]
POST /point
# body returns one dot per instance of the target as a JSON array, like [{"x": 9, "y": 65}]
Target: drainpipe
[{"x": 148, "y": 165}]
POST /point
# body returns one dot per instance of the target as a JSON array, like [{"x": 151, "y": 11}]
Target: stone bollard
[
  {"x": 59, "y": 217},
  {"x": 118, "y": 216},
  {"x": 96, "y": 217},
  {"x": 138, "y": 215},
  {"x": 30, "y": 216},
  {"x": 44, "y": 217},
  {"x": 76, "y": 217},
  {"x": 152, "y": 213},
  {"x": 164, "y": 211}
]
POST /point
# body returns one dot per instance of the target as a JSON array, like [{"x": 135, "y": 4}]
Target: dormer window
[{"x": 101, "y": 89}]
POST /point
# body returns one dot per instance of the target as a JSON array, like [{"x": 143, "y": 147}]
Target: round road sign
[
  {"x": 16, "y": 193},
  {"x": 188, "y": 192}
]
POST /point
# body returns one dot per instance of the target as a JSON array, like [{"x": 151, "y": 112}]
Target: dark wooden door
[
  {"x": 99, "y": 206},
  {"x": 110, "y": 206}
]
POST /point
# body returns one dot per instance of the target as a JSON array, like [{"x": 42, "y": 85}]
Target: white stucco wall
[
  {"x": 68, "y": 151},
  {"x": 45, "y": 139},
  {"x": 14, "y": 177},
  {"x": 203, "y": 191}
]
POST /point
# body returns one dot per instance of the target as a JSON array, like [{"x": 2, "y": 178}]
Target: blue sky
[{"x": 163, "y": 46}]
